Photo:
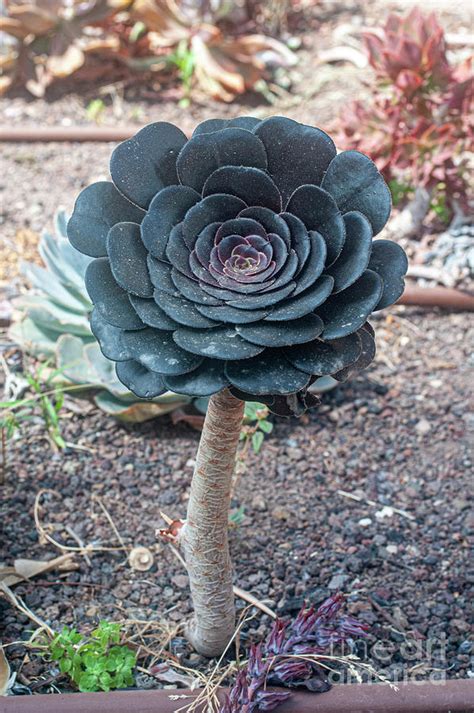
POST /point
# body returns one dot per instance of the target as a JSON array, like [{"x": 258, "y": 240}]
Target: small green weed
[
  {"x": 183, "y": 59},
  {"x": 439, "y": 204},
  {"x": 47, "y": 399},
  {"x": 255, "y": 425},
  {"x": 95, "y": 109},
  {"x": 400, "y": 192},
  {"x": 96, "y": 662},
  {"x": 237, "y": 516},
  {"x": 138, "y": 30}
]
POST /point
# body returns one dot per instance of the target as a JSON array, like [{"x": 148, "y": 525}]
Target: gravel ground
[{"x": 397, "y": 437}]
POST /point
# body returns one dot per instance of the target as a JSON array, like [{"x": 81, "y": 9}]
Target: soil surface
[
  {"x": 396, "y": 437},
  {"x": 321, "y": 501}
]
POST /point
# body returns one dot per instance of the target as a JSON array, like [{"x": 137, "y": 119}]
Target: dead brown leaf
[
  {"x": 5, "y": 84},
  {"x": 33, "y": 20},
  {"x": 164, "y": 18},
  {"x": 5, "y": 673},
  {"x": 26, "y": 568},
  {"x": 67, "y": 63},
  {"x": 163, "y": 672},
  {"x": 102, "y": 45},
  {"x": 13, "y": 27},
  {"x": 194, "y": 420},
  {"x": 227, "y": 67}
]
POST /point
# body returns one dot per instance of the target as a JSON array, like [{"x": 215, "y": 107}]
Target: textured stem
[{"x": 204, "y": 537}]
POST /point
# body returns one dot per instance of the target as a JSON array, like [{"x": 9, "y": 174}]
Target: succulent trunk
[{"x": 204, "y": 537}]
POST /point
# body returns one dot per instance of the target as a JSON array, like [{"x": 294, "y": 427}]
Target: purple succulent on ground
[
  {"x": 274, "y": 662},
  {"x": 246, "y": 700}
]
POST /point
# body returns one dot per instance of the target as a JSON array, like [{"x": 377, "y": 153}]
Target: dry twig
[
  {"x": 83, "y": 550},
  {"x": 360, "y": 499},
  {"x": 19, "y": 604}
]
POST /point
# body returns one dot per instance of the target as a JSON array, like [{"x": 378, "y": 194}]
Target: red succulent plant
[
  {"x": 410, "y": 50},
  {"x": 416, "y": 126}
]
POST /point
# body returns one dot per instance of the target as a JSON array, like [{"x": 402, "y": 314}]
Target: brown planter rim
[
  {"x": 446, "y": 696},
  {"x": 446, "y": 297},
  {"x": 20, "y": 134}
]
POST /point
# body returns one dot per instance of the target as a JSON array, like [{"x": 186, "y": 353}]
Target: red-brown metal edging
[
  {"x": 445, "y": 297},
  {"x": 73, "y": 134},
  {"x": 452, "y": 696}
]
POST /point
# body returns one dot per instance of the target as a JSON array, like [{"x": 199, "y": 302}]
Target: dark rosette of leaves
[
  {"x": 242, "y": 257},
  {"x": 281, "y": 661}
]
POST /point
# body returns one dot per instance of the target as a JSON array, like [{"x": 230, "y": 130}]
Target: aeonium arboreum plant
[{"x": 238, "y": 264}]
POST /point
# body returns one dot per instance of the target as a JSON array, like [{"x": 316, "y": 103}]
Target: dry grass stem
[
  {"x": 111, "y": 522},
  {"x": 209, "y": 693},
  {"x": 360, "y": 499},
  {"x": 42, "y": 531},
  {"x": 19, "y": 604}
]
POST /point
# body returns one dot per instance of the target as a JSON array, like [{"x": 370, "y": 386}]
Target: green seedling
[{"x": 94, "y": 663}]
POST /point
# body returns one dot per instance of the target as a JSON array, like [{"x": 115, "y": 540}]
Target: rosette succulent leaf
[{"x": 243, "y": 258}]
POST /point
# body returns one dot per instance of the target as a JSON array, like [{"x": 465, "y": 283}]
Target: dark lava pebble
[{"x": 397, "y": 436}]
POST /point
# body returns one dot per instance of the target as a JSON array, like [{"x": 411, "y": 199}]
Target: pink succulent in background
[
  {"x": 417, "y": 123},
  {"x": 410, "y": 50}
]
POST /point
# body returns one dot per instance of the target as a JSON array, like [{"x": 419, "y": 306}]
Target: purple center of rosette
[{"x": 244, "y": 259}]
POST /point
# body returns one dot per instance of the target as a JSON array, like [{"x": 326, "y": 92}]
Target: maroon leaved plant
[
  {"x": 416, "y": 126},
  {"x": 411, "y": 51},
  {"x": 286, "y": 657}
]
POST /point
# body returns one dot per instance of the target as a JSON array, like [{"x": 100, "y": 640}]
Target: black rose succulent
[{"x": 242, "y": 257}]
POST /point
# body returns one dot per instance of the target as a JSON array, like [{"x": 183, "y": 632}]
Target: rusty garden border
[{"x": 451, "y": 696}]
